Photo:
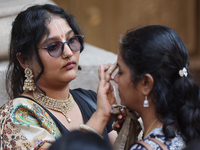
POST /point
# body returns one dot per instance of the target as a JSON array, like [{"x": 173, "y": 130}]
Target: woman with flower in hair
[{"x": 154, "y": 81}]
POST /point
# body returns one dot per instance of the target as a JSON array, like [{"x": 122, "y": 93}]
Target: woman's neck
[
  {"x": 150, "y": 122},
  {"x": 56, "y": 93}
]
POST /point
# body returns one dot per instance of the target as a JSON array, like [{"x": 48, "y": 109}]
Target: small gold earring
[{"x": 29, "y": 82}]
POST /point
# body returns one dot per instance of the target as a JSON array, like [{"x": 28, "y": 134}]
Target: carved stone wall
[{"x": 8, "y": 11}]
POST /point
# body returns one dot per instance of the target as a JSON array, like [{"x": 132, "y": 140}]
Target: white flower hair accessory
[{"x": 183, "y": 72}]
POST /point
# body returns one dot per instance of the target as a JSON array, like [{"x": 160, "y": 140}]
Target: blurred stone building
[{"x": 105, "y": 20}]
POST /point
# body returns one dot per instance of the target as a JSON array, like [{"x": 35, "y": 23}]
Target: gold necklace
[
  {"x": 62, "y": 106},
  {"x": 150, "y": 127}
]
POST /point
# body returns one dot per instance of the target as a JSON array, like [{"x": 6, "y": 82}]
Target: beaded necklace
[{"x": 62, "y": 106}]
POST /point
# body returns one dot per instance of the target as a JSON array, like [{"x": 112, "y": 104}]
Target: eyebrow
[{"x": 47, "y": 39}]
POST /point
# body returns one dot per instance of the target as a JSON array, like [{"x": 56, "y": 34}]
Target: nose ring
[{"x": 65, "y": 54}]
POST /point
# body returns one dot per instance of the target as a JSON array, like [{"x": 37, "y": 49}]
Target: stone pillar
[
  {"x": 90, "y": 58},
  {"x": 8, "y": 11}
]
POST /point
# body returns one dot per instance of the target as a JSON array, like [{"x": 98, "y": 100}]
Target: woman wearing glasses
[{"x": 44, "y": 53}]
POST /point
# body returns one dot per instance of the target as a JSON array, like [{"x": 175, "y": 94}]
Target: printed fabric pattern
[
  {"x": 177, "y": 143},
  {"x": 26, "y": 125}
]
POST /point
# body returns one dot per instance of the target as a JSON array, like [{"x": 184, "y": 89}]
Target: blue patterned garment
[{"x": 177, "y": 143}]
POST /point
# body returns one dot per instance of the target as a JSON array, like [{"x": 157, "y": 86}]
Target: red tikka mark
[{"x": 62, "y": 36}]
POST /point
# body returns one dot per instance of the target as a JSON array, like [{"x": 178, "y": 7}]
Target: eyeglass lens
[{"x": 55, "y": 48}]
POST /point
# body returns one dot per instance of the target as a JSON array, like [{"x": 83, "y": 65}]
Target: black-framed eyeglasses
[{"x": 55, "y": 49}]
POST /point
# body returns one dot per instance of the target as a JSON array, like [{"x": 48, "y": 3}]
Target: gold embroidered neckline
[{"x": 62, "y": 106}]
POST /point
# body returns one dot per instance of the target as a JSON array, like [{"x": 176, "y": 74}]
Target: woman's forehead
[{"x": 58, "y": 29}]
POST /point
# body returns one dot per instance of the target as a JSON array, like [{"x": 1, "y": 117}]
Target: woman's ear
[
  {"x": 23, "y": 62},
  {"x": 147, "y": 83}
]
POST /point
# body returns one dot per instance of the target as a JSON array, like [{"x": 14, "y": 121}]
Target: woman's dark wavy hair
[
  {"x": 160, "y": 52},
  {"x": 28, "y": 29}
]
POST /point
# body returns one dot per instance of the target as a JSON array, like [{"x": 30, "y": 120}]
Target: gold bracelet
[{"x": 84, "y": 127}]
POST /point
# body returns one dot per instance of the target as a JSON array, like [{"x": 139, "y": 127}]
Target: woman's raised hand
[
  {"x": 106, "y": 92},
  {"x": 121, "y": 117},
  {"x": 105, "y": 98}
]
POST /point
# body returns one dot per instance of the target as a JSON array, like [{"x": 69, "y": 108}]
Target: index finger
[
  {"x": 111, "y": 69},
  {"x": 101, "y": 73}
]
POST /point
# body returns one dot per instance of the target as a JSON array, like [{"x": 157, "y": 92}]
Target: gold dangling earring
[
  {"x": 29, "y": 82},
  {"x": 146, "y": 102}
]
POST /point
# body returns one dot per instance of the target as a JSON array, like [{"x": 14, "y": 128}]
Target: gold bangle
[{"x": 84, "y": 127}]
